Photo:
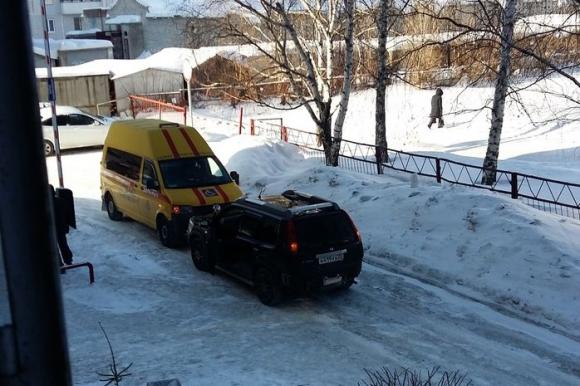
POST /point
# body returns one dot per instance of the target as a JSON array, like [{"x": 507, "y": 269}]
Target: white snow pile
[{"x": 481, "y": 244}]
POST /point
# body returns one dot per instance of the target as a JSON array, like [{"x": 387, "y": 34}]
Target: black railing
[{"x": 559, "y": 197}]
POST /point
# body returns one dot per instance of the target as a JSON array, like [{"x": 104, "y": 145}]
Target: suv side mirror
[{"x": 235, "y": 176}]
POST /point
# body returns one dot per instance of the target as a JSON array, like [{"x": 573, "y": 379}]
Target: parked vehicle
[
  {"x": 75, "y": 128},
  {"x": 160, "y": 174},
  {"x": 282, "y": 244}
]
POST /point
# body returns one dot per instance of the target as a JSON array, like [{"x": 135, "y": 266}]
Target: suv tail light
[
  {"x": 291, "y": 237},
  {"x": 356, "y": 231}
]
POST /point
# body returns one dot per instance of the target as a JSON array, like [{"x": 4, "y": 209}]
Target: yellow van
[{"x": 160, "y": 174}]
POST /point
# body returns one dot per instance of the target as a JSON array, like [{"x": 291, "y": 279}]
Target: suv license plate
[{"x": 330, "y": 257}]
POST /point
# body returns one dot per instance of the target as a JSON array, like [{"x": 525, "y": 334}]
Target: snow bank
[{"x": 477, "y": 243}]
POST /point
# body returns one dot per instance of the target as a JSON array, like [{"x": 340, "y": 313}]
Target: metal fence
[{"x": 559, "y": 197}]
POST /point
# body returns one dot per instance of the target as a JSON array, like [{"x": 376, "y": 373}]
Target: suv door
[
  {"x": 147, "y": 193},
  {"x": 225, "y": 232},
  {"x": 256, "y": 243}
]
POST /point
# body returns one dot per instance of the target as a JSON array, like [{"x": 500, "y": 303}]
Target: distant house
[
  {"x": 140, "y": 26},
  {"x": 70, "y": 52},
  {"x": 134, "y": 27}
]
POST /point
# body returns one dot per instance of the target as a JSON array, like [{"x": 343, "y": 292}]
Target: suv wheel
[
  {"x": 268, "y": 287},
  {"x": 48, "y": 148},
  {"x": 166, "y": 233},
  {"x": 112, "y": 210},
  {"x": 200, "y": 256}
]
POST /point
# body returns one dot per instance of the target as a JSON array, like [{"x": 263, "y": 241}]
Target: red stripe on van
[
  {"x": 222, "y": 193},
  {"x": 189, "y": 141},
  {"x": 199, "y": 196},
  {"x": 170, "y": 143}
]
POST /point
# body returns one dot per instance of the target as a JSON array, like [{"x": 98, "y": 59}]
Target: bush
[{"x": 407, "y": 377}]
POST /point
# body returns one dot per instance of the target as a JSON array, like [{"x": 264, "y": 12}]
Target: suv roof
[{"x": 291, "y": 203}]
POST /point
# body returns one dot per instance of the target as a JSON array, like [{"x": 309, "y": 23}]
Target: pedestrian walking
[{"x": 436, "y": 109}]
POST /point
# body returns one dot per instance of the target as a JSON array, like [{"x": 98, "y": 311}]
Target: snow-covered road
[{"x": 173, "y": 321}]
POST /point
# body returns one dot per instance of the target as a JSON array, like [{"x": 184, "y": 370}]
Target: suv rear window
[{"x": 328, "y": 229}]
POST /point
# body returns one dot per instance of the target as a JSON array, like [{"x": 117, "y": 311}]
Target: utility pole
[{"x": 51, "y": 93}]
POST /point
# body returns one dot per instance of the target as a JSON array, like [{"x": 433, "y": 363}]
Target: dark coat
[{"x": 437, "y": 104}]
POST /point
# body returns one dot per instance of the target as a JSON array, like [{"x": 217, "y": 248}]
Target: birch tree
[
  {"x": 508, "y": 19},
  {"x": 381, "y": 83},
  {"x": 302, "y": 40}
]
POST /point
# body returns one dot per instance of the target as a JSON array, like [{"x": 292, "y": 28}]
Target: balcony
[{"x": 77, "y": 7}]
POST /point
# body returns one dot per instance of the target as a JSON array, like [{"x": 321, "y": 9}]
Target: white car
[{"x": 75, "y": 128}]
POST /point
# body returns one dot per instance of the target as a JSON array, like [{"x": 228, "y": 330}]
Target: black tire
[
  {"x": 268, "y": 287},
  {"x": 48, "y": 148},
  {"x": 166, "y": 232},
  {"x": 112, "y": 211},
  {"x": 200, "y": 255}
]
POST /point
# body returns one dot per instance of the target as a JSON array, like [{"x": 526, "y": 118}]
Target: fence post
[
  {"x": 284, "y": 134},
  {"x": 514, "y": 183},
  {"x": 132, "y": 107},
  {"x": 438, "y": 169},
  {"x": 378, "y": 159},
  {"x": 241, "y": 117},
  {"x": 252, "y": 127}
]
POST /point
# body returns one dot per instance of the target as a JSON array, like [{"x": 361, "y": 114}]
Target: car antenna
[{"x": 260, "y": 194}]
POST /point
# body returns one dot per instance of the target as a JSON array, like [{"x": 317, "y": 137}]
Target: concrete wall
[
  {"x": 72, "y": 58},
  {"x": 164, "y": 32},
  {"x": 83, "y": 92},
  {"x": 40, "y": 61}
]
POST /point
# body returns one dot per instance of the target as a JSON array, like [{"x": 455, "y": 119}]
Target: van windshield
[{"x": 192, "y": 172}]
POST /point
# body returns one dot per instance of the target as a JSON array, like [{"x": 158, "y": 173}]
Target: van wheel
[
  {"x": 200, "y": 255},
  {"x": 268, "y": 287},
  {"x": 48, "y": 148},
  {"x": 112, "y": 210},
  {"x": 166, "y": 233}
]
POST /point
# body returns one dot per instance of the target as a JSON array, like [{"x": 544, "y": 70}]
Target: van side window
[
  {"x": 126, "y": 164},
  {"x": 149, "y": 174}
]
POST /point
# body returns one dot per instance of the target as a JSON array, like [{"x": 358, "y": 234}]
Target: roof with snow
[
  {"x": 68, "y": 45},
  {"x": 91, "y": 31},
  {"x": 124, "y": 19},
  {"x": 566, "y": 23},
  {"x": 163, "y": 8}
]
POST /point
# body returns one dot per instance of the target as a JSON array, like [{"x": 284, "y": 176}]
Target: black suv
[{"x": 293, "y": 242}]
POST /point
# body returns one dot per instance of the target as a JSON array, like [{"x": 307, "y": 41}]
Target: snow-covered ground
[
  {"x": 541, "y": 140},
  {"x": 454, "y": 277}
]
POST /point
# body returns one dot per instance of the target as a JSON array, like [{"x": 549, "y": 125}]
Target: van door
[
  {"x": 122, "y": 179},
  {"x": 148, "y": 193}
]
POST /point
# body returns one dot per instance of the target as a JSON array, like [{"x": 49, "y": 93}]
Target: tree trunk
[
  {"x": 346, "y": 85},
  {"x": 381, "y": 87},
  {"x": 325, "y": 131},
  {"x": 501, "y": 86}
]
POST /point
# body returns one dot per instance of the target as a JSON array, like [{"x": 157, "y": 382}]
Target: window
[
  {"x": 78, "y": 23},
  {"x": 330, "y": 229},
  {"x": 261, "y": 229},
  {"x": 249, "y": 226},
  {"x": 81, "y": 120},
  {"x": 126, "y": 164},
  {"x": 61, "y": 120},
  {"x": 51, "y": 25},
  {"x": 149, "y": 174},
  {"x": 228, "y": 223},
  {"x": 191, "y": 172}
]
